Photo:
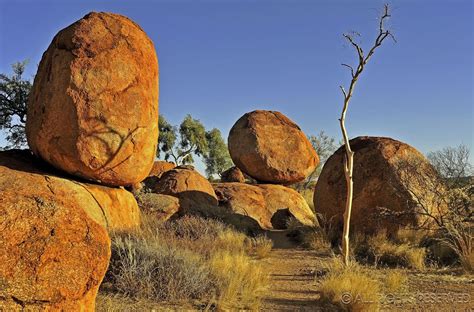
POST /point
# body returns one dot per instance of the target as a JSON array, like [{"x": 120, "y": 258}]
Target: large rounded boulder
[
  {"x": 387, "y": 175},
  {"x": 194, "y": 191},
  {"x": 244, "y": 199},
  {"x": 53, "y": 254},
  {"x": 114, "y": 208},
  {"x": 271, "y": 148},
  {"x": 159, "y": 167},
  {"x": 285, "y": 204},
  {"x": 93, "y": 109}
]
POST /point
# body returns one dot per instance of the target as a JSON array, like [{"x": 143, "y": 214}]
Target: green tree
[
  {"x": 218, "y": 158},
  {"x": 14, "y": 91},
  {"x": 192, "y": 140},
  {"x": 325, "y": 146}
]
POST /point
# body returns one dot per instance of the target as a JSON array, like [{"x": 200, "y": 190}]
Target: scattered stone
[{"x": 93, "y": 109}]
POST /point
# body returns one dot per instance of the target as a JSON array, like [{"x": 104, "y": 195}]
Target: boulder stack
[
  {"x": 271, "y": 148},
  {"x": 93, "y": 110},
  {"x": 386, "y": 176},
  {"x": 93, "y": 116}
]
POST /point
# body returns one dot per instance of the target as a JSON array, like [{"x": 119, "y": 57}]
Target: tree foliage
[
  {"x": 192, "y": 140},
  {"x": 217, "y": 159},
  {"x": 14, "y": 92},
  {"x": 179, "y": 144}
]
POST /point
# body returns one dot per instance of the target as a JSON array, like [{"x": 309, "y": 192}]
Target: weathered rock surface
[
  {"x": 379, "y": 183},
  {"x": 53, "y": 254},
  {"x": 194, "y": 191},
  {"x": 93, "y": 110},
  {"x": 271, "y": 206},
  {"x": 160, "y": 167},
  {"x": 271, "y": 148},
  {"x": 233, "y": 174},
  {"x": 284, "y": 203},
  {"x": 244, "y": 199},
  {"x": 113, "y": 208},
  {"x": 160, "y": 206}
]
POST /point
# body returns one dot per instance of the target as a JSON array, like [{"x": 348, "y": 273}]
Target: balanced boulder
[
  {"x": 194, "y": 191},
  {"x": 93, "y": 109},
  {"x": 271, "y": 148},
  {"x": 233, "y": 174},
  {"x": 386, "y": 179},
  {"x": 53, "y": 254},
  {"x": 284, "y": 204}
]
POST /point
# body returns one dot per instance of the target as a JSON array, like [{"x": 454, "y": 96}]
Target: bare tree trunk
[{"x": 349, "y": 157}]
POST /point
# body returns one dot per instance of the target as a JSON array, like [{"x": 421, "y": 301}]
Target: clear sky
[{"x": 220, "y": 59}]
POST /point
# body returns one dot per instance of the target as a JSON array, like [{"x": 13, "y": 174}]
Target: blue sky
[{"x": 220, "y": 59}]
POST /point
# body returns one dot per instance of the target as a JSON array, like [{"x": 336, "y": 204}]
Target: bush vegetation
[{"x": 187, "y": 259}]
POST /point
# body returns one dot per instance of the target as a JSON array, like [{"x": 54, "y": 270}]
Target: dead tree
[{"x": 349, "y": 159}]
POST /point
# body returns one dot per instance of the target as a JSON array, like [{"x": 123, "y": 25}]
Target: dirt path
[{"x": 293, "y": 287}]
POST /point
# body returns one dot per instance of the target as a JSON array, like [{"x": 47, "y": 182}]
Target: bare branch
[{"x": 350, "y": 68}]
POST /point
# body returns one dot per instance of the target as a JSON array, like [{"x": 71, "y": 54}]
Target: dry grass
[
  {"x": 350, "y": 288},
  {"x": 187, "y": 259},
  {"x": 261, "y": 246},
  {"x": 241, "y": 281},
  {"x": 395, "y": 281},
  {"x": 380, "y": 250}
]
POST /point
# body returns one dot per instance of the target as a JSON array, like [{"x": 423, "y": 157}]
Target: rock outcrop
[
  {"x": 244, "y": 199},
  {"x": 271, "y": 148},
  {"x": 93, "y": 109},
  {"x": 194, "y": 191},
  {"x": 272, "y": 206},
  {"x": 161, "y": 207},
  {"x": 53, "y": 254},
  {"x": 233, "y": 174},
  {"x": 284, "y": 203},
  {"x": 384, "y": 187}
]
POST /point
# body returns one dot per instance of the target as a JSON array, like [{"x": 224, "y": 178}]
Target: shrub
[{"x": 350, "y": 288}]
